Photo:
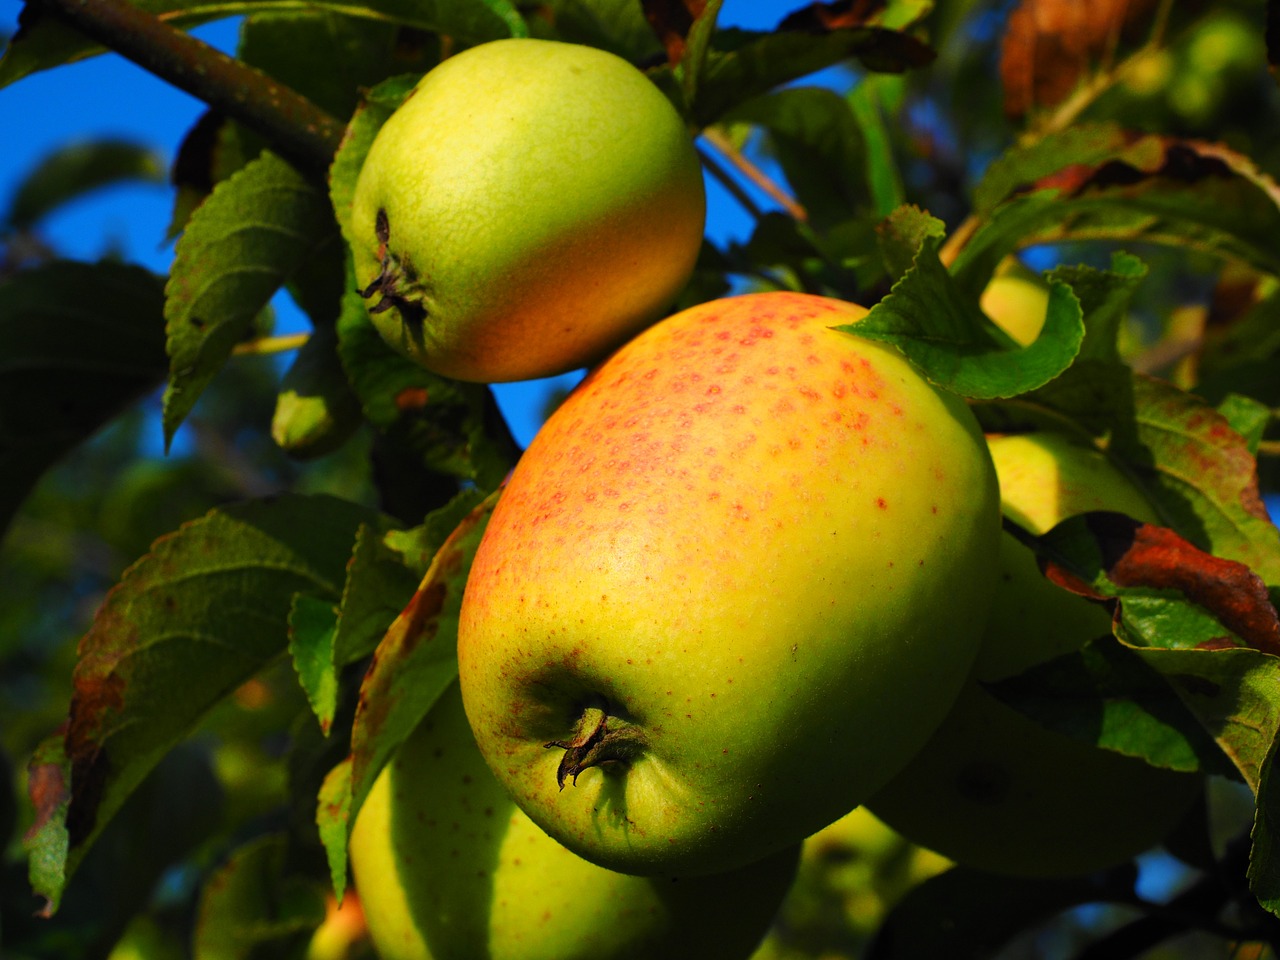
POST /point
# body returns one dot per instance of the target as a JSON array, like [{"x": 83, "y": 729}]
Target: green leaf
[
  {"x": 1171, "y": 593},
  {"x": 742, "y": 65},
  {"x": 74, "y": 170},
  {"x": 902, "y": 235},
  {"x": 1200, "y": 474},
  {"x": 618, "y": 26},
  {"x": 443, "y": 422},
  {"x": 815, "y": 138},
  {"x": 325, "y": 56},
  {"x": 313, "y": 623},
  {"x": 414, "y": 663},
  {"x": 1235, "y": 694},
  {"x": 1107, "y": 696},
  {"x": 190, "y": 622},
  {"x": 1153, "y": 189},
  {"x": 42, "y": 42},
  {"x": 46, "y": 841},
  {"x": 78, "y": 342},
  {"x": 883, "y": 179},
  {"x": 378, "y": 586},
  {"x": 1264, "y": 861},
  {"x": 1247, "y": 417},
  {"x": 696, "y": 46},
  {"x": 254, "y": 902},
  {"x": 252, "y": 233},
  {"x": 944, "y": 334}
]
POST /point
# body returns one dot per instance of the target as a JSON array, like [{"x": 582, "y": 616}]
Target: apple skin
[
  {"x": 758, "y": 550},
  {"x": 543, "y": 201},
  {"x": 995, "y": 790},
  {"x": 1017, "y": 300},
  {"x": 448, "y": 867}
]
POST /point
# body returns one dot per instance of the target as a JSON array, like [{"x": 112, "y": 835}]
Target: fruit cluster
[{"x": 748, "y": 577}]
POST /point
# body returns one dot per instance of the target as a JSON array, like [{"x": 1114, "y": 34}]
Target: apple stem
[{"x": 596, "y": 743}]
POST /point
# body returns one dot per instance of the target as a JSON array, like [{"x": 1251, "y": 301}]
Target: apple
[
  {"x": 1017, "y": 300},
  {"x": 530, "y": 206},
  {"x": 731, "y": 587},
  {"x": 447, "y": 866},
  {"x": 993, "y": 789}
]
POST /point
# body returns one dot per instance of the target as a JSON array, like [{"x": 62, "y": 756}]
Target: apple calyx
[
  {"x": 595, "y": 743},
  {"x": 392, "y": 279}
]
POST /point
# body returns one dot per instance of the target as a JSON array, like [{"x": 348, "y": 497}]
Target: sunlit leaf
[
  {"x": 241, "y": 245},
  {"x": 190, "y": 622},
  {"x": 951, "y": 342}
]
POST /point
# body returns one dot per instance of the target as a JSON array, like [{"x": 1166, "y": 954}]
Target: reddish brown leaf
[
  {"x": 1049, "y": 45},
  {"x": 1141, "y": 555},
  {"x": 672, "y": 20}
]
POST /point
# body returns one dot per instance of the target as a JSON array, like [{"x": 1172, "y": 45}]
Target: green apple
[
  {"x": 530, "y": 206},
  {"x": 993, "y": 789},
  {"x": 735, "y": 582},
  {"x": 1017, "y": 300},
  {"x": 447, "y": 866}
]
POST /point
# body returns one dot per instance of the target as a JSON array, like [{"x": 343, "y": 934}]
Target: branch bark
[{"x": 295, "y": 127}]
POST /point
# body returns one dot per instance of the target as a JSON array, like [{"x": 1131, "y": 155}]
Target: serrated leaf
[
  {"x": 253, "y": 902},
  {"x": 414, "y": 663},
  {"x": 74, "y": 170},
  {"x": 378, "y": 586},
  {"x": 313, "y": 623},
  {"x": 1264, "y": 860},
  {"x": 43, "y": 42},
  {"x": 333, "y": 819},
  {"x": 46, "y": 841},
  {"x": 901, "y": 236},
  {"x": 200, "y": 614},
  {"x": 1200, "y": 474},
  {"x": 946, "y": 336},
  {"x": 78, "y": 342},
  {"x": 1171, "y": 593},
  {"x": 255, "y": 229},
  {"x": 1151, "y": 189},
  {"x": 1105, "y": 695},
  {"x": 1235, "y": 694}
]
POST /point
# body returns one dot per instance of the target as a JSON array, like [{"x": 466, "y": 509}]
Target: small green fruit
[
  {"x": 993, "y": 789},
  {"x": 530, "y": 206},
  {"x": 448, "y": 867},
  {"x": 316, "y": 412},
  {"x": 734, "y": 583}
]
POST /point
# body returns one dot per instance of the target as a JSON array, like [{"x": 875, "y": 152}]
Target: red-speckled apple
[
  {"x": 448, "y": 867},
  {"x": 530, "y": 206},
  {"x": 735, "y": 582},
  {"x": 993, "y": 789}
]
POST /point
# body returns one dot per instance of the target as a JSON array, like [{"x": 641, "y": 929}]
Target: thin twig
[
  {"x": 295, "y": 127},
  {"x": 265, "y": 345},
  {"x": 743, "y": 165}
]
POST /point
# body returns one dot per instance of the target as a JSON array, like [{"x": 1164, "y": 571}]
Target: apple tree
[{"x": 1064, "y": 216}]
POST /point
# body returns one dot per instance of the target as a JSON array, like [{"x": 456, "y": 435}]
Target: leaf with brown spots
[
  {"x": 1050, "y": 45},
  {"x": 412, "y": 666},
  {"x": 200, "y": 614},
  {"x": 1098, "y": 182},
  {"x": 1171, "y": 593}
]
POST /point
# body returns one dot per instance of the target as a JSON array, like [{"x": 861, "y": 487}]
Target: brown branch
[{"x": 295, "y": 127}]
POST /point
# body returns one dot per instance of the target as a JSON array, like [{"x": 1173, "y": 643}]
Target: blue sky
[{"x": 107, "y": 96}]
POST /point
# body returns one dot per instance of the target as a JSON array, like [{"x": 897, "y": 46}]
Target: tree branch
[{"x": 295, "y": 127}]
